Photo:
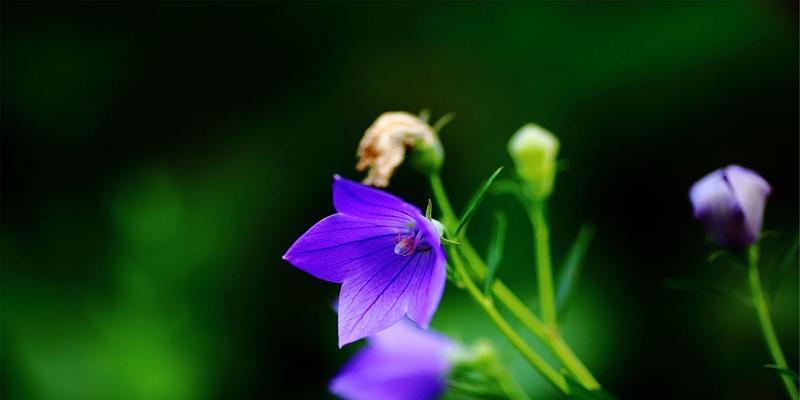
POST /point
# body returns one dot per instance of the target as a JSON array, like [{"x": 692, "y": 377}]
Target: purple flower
[
  {"x": 730, "y": 202},
  {"x": 402, "y": 362},
  {"x": 385, "y": 253}
]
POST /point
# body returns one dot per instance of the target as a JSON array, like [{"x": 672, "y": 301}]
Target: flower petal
[
  {"x": 373, "y": 375},
  {"x": 730, "y": 202},
  {"x": 714, "y": 204},
  {"x": 353, "y": 198},
  {"x": 429, "y": 291},
  {"x": 405, "y": 335},
  {"x": 751, "y": 192},
  {"x": 428, "y": 294},
  {"x": 373, "y": 299},
  {"x": 340, "y": 245},
  {"x": 402, "y": 362}
]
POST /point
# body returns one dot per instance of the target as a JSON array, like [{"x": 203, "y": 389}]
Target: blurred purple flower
[
  {"x": 402, "y": 362},
  {"x": 730, "y": 202},
  {"x": 385, "y": 253}
]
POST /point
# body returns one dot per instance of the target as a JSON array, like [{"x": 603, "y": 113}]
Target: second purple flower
[{"x": 385, "y": 253}]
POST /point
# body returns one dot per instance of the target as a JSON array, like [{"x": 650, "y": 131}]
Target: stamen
[
  {"x": 407, "y": 243},
  {"x": 405, "y": 246}
]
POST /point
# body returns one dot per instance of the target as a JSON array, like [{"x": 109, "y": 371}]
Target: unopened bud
[{"x": 534, "y": 152}]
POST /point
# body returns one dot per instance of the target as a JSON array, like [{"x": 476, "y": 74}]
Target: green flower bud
[
  {"x": 428, "y": 157},
  {"x": 534, "y": 152}
]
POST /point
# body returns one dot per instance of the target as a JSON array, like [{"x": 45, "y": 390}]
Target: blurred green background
[{"x": 159, "y": 158}]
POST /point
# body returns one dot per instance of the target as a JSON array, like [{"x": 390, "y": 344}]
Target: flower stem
[
  {"x": 448, "y": 215},
  {"x": 548, "y": 336},
  {"x": 507, "y": 330},
  {"x": 764, "y": 321},
  {"x": 544, "y": 269}
]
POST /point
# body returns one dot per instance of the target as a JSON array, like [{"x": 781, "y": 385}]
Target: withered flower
[{"x": 383, "y": 147}]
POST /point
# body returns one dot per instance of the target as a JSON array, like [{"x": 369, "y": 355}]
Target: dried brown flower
[{"x": 383, "y": 147}]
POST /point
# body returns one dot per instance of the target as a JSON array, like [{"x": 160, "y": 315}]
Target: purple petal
[
  {"x": 428, "y": 293},
  {"x": 339, "y": 245},
  {"x": 352, "y": 198},
  {"x": 386, "y": 254},
  {"x": 405, "y": 335},
  {"x": 402, "y": 362},
  {"x": 375, "y": 298},
  {"x": 730, "y": 202},
  {"x": 751, "y": 192}
]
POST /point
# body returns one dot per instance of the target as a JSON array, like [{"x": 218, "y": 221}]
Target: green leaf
[
  {"x": 476, "y": 200},
  {"x": 698, "y": 286},
  {"x": 784, "y": 371},
  {"x": 449, "y": 242},
  {"x": 789, "y": 261},
  {"x": 571, "y": 269},
  {"x": 495, "y": 254},
  {"x": 512, "y": 187},
  {"x": 578, "y": 392}
]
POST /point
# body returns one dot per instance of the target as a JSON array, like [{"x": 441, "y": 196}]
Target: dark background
[{"x": 159, "y": 158}]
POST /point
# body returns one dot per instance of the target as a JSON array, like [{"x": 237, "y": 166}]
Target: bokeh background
[{"x": 159, "y": 158}]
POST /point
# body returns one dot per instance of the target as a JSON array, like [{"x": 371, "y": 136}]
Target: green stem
[
  {"x": 760, "y": 304},
  {"x": 544, "y": 269},
  {"x": 509, "y": 386},
  {"x": 449, "y": 216},
  {"x": 547, "y": 336},
  {"x": 505, "y": 328}
]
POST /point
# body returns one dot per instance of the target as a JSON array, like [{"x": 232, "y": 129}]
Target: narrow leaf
[
  {"x": 789, "y": 261},
  {"x": 476, "y": 200},
  {"x": 571, "y": 269},
  {"x": 495, "y": 255},
  {"x": 513, "y": 187},
  {"x": 442, "y": 121},
  {"x": 784, "y": 371},
  {"x": 450, "y": 242},
  {"x": 698, "y": 286}
]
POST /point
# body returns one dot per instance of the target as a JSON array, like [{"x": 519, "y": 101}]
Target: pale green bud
[{"x": 534, "y": 152}]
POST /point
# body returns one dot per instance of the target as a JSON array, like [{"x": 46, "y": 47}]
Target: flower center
[{"x": 408, "y": 242}]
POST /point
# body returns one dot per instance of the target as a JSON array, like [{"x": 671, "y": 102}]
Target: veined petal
[
  {"x": 373, "y": 299},
  {"x": 428, "y": 294},
  {"x": 340, "y": 245},
  {"x": 386, "y": 254},
  {"x": 429, "y": 291},
  {"x": 353, "y": 198}
]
